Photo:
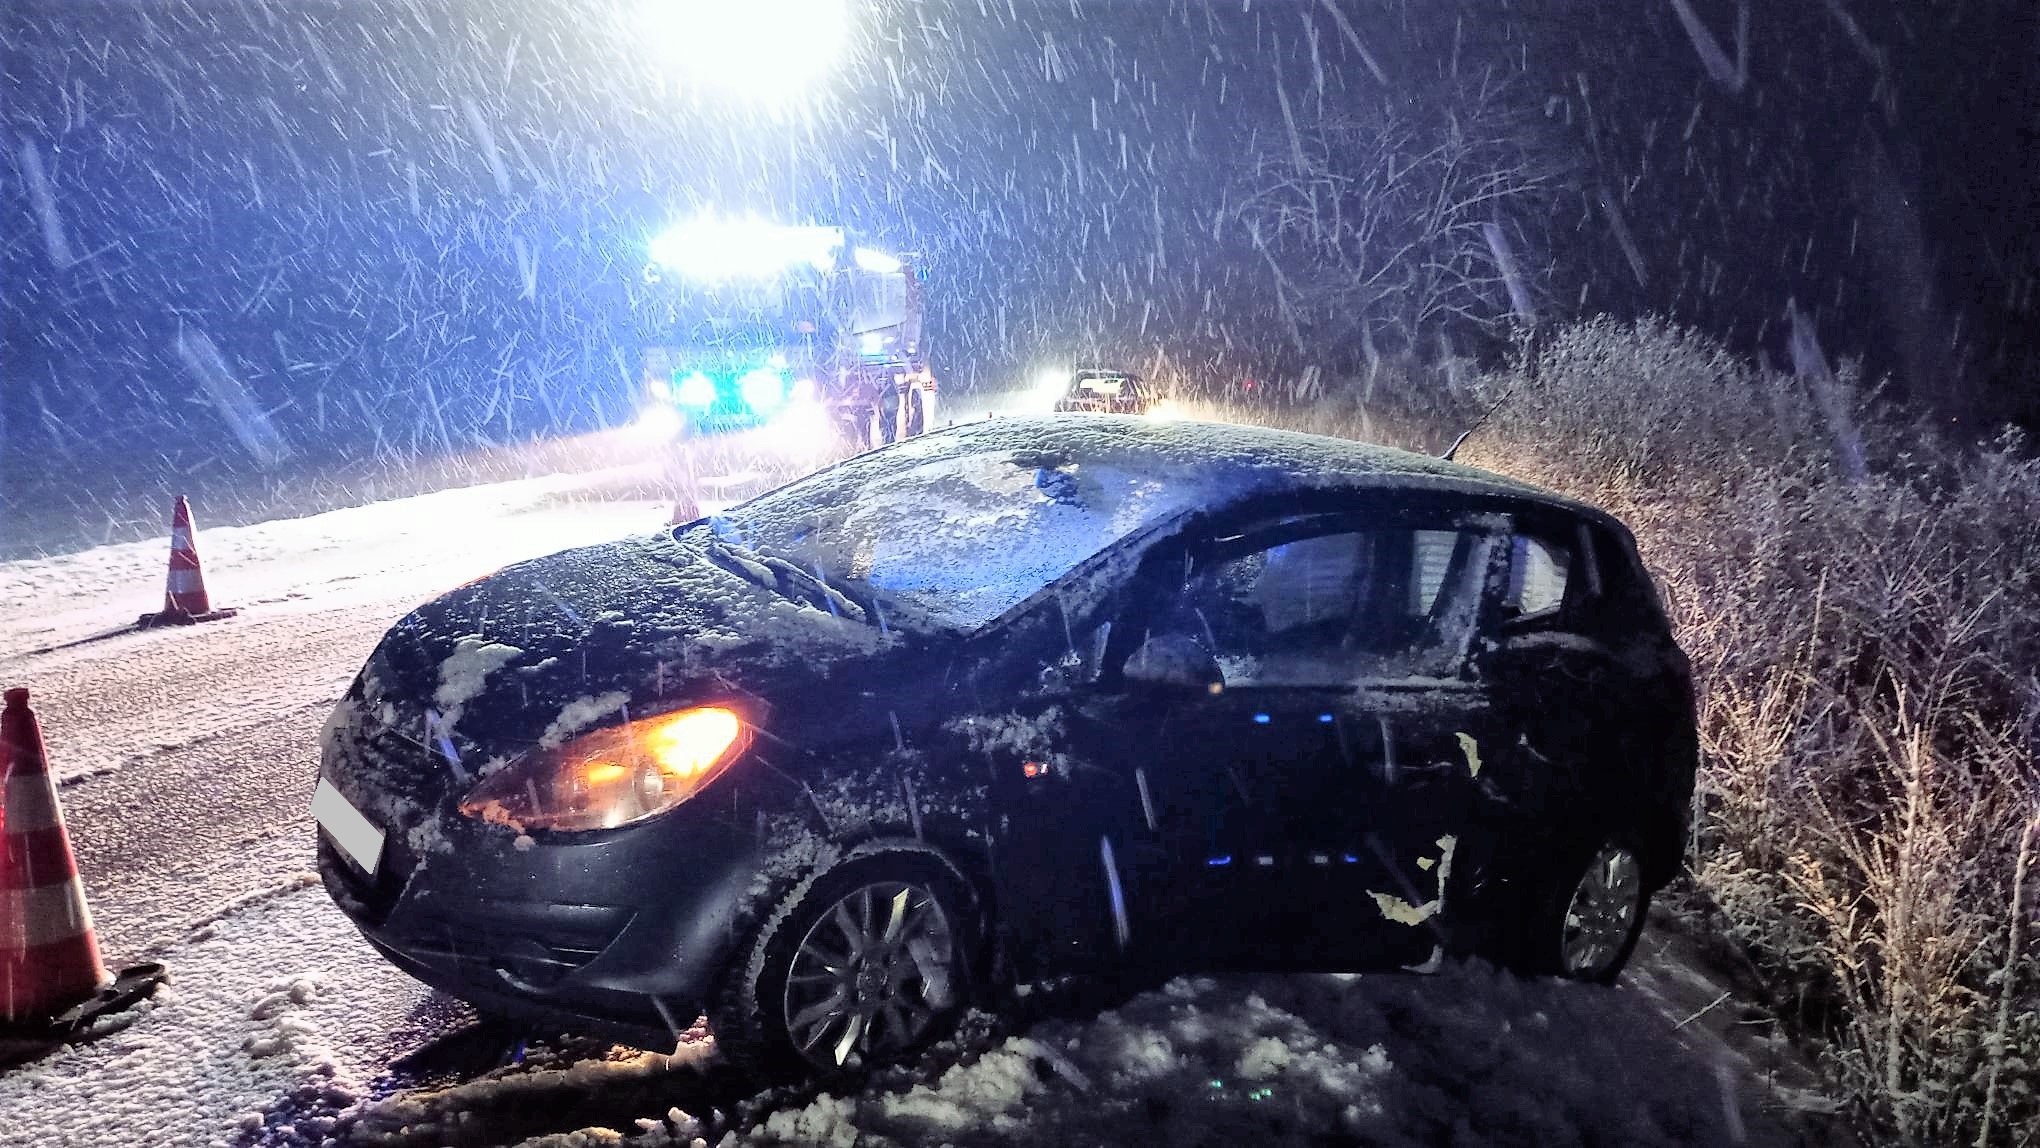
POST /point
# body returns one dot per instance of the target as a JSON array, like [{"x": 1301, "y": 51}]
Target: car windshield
[{"x": 948, "y": 535}]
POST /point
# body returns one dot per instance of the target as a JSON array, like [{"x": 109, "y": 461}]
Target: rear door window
[{"x": 1333, "y": 608}]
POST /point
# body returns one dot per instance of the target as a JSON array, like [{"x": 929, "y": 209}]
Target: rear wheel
[
  {"x": 1589, "y": 914},
  {"x": 869, "y": 962}
]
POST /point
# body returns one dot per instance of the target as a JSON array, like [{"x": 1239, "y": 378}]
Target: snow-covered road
[{"x": 189, "y": 757}]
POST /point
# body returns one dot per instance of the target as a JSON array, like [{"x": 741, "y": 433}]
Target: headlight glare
[
  {"x": 696, "y": 390},
  {"x": 612, "y": 776},
  {"x": 763, "y": 389}
]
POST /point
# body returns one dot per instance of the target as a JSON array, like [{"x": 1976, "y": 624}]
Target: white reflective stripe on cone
[
  {"x": 184, "y": 581},
  {"x": 30, "y": 804},
  {"x": 180, "y": 538},
  {"x": 42, "y": 916}
]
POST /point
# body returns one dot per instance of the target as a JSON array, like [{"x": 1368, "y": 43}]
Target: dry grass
[{"x": 1866, "y": 647}]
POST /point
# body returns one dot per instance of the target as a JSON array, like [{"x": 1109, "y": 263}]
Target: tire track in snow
[
  {"x": 141, "y": 695},
  {"x": 212, "y": 821}
]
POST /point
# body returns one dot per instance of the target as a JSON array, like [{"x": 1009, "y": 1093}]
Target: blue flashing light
[
  {"x": 1262, "y": 719},
  {"x": 1221, "y": 859},
  {"x": 1324, "y": 719},
  {"x": 696, "y": 390},
  {"x": 1350, "y": 859}
]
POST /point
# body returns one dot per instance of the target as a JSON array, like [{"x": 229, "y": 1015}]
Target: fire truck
[{"x": 803, "y": 329}]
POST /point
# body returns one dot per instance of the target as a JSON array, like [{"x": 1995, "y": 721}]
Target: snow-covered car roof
[
  {"x": 958, "y": 526},
  {"x": 1217, "y": 458}
]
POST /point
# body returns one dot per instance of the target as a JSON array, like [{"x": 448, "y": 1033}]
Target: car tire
[
  {"x": 1588, "y": 912},
  {"x": 867, "y": 962}
]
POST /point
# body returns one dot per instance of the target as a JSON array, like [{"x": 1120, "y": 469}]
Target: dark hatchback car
[{"x": 1015, "y": 699}]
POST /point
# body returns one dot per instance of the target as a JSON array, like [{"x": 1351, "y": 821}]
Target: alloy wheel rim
[
  {"x": 872, "y": 976},
  {"x": 1602, "y": 912}
]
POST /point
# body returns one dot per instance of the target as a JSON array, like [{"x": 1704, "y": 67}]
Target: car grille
[{"x": 543, "y": 942}]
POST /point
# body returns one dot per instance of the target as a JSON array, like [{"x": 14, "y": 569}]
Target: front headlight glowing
[
  {"x": 612, "y": 776},
  {"x": 1050, "y": 385},
  {"x": 696, "y": 390},
  {"x": 659, "y": 421},
  {"x": 763, "y": 389}
]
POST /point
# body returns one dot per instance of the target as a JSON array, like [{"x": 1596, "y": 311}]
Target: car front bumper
[{"x": 621, "y": 935}]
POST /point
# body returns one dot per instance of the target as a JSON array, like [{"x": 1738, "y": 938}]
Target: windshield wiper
[{"x": 784, "y": 578}]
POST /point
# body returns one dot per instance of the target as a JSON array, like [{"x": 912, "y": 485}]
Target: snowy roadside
[
  {"x": 1471, "y": 1056},
  {"x": 257, "y": 1002},
  {"x": 272, "y": 1051},
  {"x": 314, "y": 595},
  {"x": 459, "y": 532}
]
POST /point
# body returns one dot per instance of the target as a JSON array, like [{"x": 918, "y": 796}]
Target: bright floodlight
[
  {"x": 768, "y": 51},
  {"x": 711, "y": 247}
]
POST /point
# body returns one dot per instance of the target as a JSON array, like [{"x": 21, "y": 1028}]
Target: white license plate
[{"x": 356, "y": 835}]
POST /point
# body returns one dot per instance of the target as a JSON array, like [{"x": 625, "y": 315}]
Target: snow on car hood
[{"x": 546, "y": 648}]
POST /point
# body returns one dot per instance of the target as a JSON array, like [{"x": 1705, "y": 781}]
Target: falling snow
[{"x": 368, "y": 282}]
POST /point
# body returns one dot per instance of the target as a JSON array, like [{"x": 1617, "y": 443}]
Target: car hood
[{"x": 539, "y": 651}]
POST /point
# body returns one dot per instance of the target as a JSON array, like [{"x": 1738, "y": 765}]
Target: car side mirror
[
  {"x": 1173, "y": 660},
  {"x": 1080, "y": 664},
  {"x": 1065, "y": 675}
]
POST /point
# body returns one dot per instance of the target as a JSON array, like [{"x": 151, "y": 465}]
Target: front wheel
[{"x": 866, "y": 963}]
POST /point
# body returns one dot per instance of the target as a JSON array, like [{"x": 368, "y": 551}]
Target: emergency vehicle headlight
[
  {"x": 696, "y": 390},
  {"x": 763, "y": 389}
]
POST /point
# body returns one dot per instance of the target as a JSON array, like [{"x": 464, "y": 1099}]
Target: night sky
[{"x": 411, "y": 227}]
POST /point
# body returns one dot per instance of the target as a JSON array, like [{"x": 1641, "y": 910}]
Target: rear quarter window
[
  {"x": 1539, "y": 572},
  {"x": 1627, "y": 596}
]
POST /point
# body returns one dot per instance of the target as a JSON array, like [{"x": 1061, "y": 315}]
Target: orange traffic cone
[
  {"x": 184, "y": 598},
  {"x": 49, "y": 958},
  {"x": 51, "y": 977}
]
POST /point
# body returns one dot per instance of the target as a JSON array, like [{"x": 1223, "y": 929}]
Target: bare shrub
[
  {"x": 1868, "y": 814},
  {"x": 1387, "y": 225}
]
